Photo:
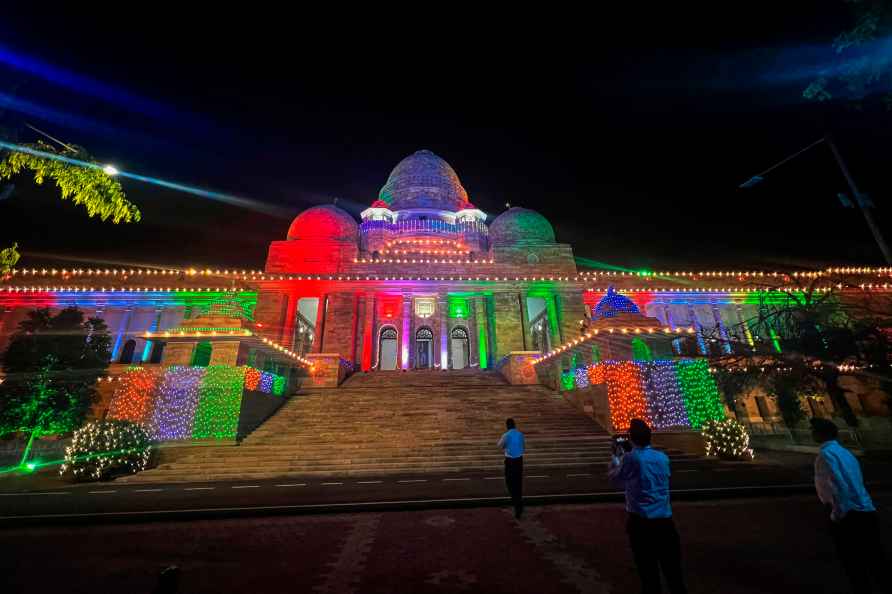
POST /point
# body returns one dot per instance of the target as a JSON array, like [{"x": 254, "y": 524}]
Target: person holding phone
[{"x": 643, "y": 473}]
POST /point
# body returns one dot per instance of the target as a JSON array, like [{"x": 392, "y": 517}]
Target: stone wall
[
  {"x": 508, "y": 324},
  {"x": 310, "y": 256},
  {"x": 328, "y": 370},
  {"x": 517, "y": 367},
  {"x": 339, "y": 333}
]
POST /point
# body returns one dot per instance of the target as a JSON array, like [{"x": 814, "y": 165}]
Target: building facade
[{"x": 423, "y": 280}]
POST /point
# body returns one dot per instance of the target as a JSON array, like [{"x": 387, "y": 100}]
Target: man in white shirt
[
  {"x": 512, "y": 444},
  {"x": 853, "y": 519}
]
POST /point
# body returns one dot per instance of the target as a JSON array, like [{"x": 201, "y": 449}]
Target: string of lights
[
  {"x": 189, "y": 402},
  {"x": 668, "y": 394},
  {"x": 622, "y": 330},
  {"x": 580, "y": 276}
]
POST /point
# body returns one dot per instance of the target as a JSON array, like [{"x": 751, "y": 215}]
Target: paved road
[
  {"x": 764, "y": 545},
  {"x": 111, "y": 500}
]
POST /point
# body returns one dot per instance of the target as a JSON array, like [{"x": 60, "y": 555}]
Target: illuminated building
[{"x": 424, "y": 279}]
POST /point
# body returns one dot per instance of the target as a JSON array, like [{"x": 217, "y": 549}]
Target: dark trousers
[
  {"x": 514, "y": 482},
  {"x": 655, "y": 547},
  {"x": 860, "y": 549}
]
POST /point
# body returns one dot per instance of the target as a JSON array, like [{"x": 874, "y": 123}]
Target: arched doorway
[
  {"x": 157, "y": 352},
  {"x": 459, "y": 347},
  {"x": 127, "y": 351},
  {"x": 387, "y": 349},
  {"x": 424, "y": 343}
]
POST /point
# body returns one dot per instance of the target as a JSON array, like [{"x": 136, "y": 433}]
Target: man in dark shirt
[{"x": 644, "y": 474}]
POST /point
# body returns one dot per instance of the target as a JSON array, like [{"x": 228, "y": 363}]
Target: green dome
[{"x": 519, "y": 226}]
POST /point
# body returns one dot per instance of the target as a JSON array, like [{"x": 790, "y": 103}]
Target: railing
[{"x": 433, "y": 226}]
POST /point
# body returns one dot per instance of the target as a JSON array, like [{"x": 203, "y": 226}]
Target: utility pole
[
  {"x": 861, "y": 200},
  {"x": 868, "y": 216}
]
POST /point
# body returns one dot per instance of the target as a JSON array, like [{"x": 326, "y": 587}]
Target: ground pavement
[
  {"x": 45, "y": 497},
  {"x": 736, "y": 546}
]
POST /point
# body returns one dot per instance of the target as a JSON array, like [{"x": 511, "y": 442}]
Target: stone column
[
  {"x": 483, "y": 342},
  {"x": 287, "y": 339},
  {"x": 723, "y": 332},
  {"x": 473, "y": 341},
  {"x": 554, "y": 327},
  {"x": 368, "y": 332},
  {"x": 123, "y": 328},
  {"x": 153, "y": 327},
  {"x": 319, "y": 330},
  {"x": 442, "y": 311},
  {"x": 525, "y": 320},
  {"x": 406, "y": 340},
  {"x": 698, "y": 328}
]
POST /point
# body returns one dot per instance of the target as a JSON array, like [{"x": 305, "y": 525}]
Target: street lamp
[
  {"x": 860, "y": 199},
  {"x": 110, "y": 170}
]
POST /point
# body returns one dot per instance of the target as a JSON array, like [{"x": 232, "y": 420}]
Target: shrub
[
  {"x": 104, "y": 449},
  {"x": 727, "y": 439}
]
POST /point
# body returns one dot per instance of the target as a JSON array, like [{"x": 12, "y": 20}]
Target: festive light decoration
[
  {"x": 278, "y": 385},
  {"x": 100, "y": 449},
  {"x": 266, "y": 382},
  {"x": 568, "y": 379},
  {"x": 175, "y": 403},
  {"x": 728, "y": 439},
  {"x": 221, "y": 399},
  {"x": 613, "y": 303},
  {"x": 665, "y": 393},
  {"x": 252, "y": 378},
  {"x": 625, "y": 393},
  {"x": 132, "y": 400},
  {"x": 586, "y": 338},
  {"x": 189, "y": 402},
  {"x": 664, "y": 398},
  {"x": 701, "y": 396}
]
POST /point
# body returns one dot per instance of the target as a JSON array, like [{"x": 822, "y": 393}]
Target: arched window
[
  {"x": 424, "y": 333},
  {"x": 127, "y": 351},
  {"x": 201, "y": 356}
]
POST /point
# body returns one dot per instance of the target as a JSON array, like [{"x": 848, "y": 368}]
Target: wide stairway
[{"x": 400, "y": 423}]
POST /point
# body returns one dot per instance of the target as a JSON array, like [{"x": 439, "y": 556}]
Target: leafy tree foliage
[
  {"x": 51, "y": 366},
  {"x": 8, "y": 258},
  {"x": 863, "y": 64},
  {"x": 100, "y": 193},
  {"x": 807, "y": 339}
]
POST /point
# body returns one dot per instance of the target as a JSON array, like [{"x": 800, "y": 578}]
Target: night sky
[{"x": 630, "y": 132}]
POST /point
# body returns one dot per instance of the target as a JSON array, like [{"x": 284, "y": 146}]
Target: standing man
[
  {"x": 854, "y": 525},
  {"x": 511, "y": 443},
  {"x": 644, "y": 474}
]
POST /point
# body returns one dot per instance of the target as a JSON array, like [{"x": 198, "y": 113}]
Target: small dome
[
  {"x": 613, "y": 303},
  {"x": 518, "y": 226},
  {"x": 423, "y": 180},
  {"x": 379, "y": 204},
  {"x": 327, "y": 222}
]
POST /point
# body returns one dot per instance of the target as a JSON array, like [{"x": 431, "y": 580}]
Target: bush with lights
[
  {"x": 727, "y": 439},
  {"x": 104, "y": 449}
]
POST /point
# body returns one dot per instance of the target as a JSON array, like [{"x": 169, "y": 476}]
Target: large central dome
[{"x": 424, "y": 180}]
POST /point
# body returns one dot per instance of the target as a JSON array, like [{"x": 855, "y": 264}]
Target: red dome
[
  {"x": 380, "y": 204},
  {"x": 326, "y": 222}
]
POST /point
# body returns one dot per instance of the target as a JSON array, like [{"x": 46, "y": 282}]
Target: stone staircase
[{"x": 400, "y": 423}]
